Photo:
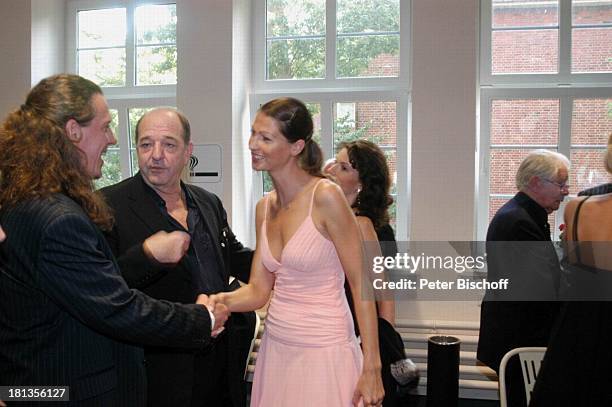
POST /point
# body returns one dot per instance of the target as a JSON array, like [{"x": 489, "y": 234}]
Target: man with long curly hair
[{"x": 67, "y": 317}]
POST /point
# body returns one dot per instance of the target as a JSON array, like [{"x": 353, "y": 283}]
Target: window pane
[
  {"x": 296, "y": 59},
  {"x": 525, "y": 51},
  {"x": 111, "y": 170},
  {"x": 315, "y": 111},
  {"x": 587, "y": 169},
  {"x": 591, "y": 121},
  {"x": 295, "y": 17},
  {"x": 521, "y": 43},
  {"x": 156, "y": 24},
  {"x": 503, "y": 164},
  {"x": 106, "y": 67},
  {"x": 156, "y": 65},
  {"x": 358, "y": 16},
  {"x": 373, "y": 121},
  {"x": 591, "y": 12},
  {"x": 102, "y": 28},
  {"x": 525, "y": 122},
  {"x": 134, "y": 114},
  {"x": 372, "y": 55},
  {"x": 592, "y": 50},
  {"x": 525, "y": 13}
]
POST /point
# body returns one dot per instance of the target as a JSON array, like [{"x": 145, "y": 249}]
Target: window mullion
[
  {"x": 130, "y": 46},
  {"x": 565, "y": 124},
  {"x": 330, "y": 40},
  {"x": 486, "y": 50},
  {"x": 327, "y": 128},
  {"x": 124, "y": 142},
  {"x": 565, "y": 41}
]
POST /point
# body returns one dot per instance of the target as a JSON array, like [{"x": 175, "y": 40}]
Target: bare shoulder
[
  {"x": 328, "y": 194},
  {"x": 367, "y": 228},
  {"x": 570, "y": 208},
  {"x": 260, "y": 210},
  {"x": 365, "y": 222}
]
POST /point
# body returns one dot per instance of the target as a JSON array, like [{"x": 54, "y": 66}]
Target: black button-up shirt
[{"x": 201, "y": 259}]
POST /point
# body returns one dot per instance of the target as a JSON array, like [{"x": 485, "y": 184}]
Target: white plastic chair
[
  {"x": 255, "y": 335},
  {"x": 531, "y": 359}
]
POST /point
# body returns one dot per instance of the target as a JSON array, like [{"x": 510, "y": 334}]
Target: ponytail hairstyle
[
  {"x": 295, "y": 123},
  {"x": 37, "y": 159}
]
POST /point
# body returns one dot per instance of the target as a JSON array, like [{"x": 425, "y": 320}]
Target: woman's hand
[{"x": 369, "y": 389}]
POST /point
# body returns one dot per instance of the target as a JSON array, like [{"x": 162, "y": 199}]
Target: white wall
[
  {"x": 14, "y": 54},
  {"x": 243, "y": 217},
  {"x": 204, "y": 89},
  {"x": 444, "y": 78},
  {"x": 47, "y": 38}
]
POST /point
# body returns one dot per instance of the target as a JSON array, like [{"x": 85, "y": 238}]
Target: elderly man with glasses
[{"x": 519, "y": 248}]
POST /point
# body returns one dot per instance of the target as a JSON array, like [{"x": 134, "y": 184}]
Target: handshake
[
  {"x": 169, "y": 248},
  {"x": 217, "y": 309}
]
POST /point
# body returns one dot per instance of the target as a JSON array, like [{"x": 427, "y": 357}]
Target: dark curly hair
[
  {"x": 37, "y": 159},
  {"x": 374, "y": 199},
  {"x": 295, "y": 123}
]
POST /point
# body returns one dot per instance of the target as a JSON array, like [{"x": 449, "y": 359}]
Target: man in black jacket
[
  {"x": 154, "y": 200},
  {"x": 519, "y": 248},
  {"x": 67, "y": 317}
]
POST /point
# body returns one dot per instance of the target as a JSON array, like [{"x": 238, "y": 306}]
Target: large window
[
  {"x": 546, "y": 82},
  {"x": 128, "y": 47},
  {"x": 348, "y": 60}
]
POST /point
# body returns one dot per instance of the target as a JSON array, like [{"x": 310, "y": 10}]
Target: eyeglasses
[{"x": 564, "y": 186}]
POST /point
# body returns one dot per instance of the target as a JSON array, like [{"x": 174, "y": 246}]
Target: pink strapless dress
[{"x": 309, "y": 355}]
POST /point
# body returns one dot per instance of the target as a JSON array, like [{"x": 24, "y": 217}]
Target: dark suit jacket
[
  {"x": 67, "y": 317},
  {"x": 518, "y": 248},
  {"x": 138, "y": 216}
]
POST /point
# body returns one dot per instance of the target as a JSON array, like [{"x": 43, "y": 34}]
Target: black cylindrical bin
[{"x": 443, "y": 371}]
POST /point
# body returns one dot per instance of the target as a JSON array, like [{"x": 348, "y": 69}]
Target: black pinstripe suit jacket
[{"x": 67, "y": 316}]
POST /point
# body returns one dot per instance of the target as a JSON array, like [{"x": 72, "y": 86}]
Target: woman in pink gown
[{"x": 307, "y": 242}]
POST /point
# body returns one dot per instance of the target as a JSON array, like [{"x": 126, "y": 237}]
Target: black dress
[
  {"x": 577, "y": 367},
  {"x": 388, "y": 245}
]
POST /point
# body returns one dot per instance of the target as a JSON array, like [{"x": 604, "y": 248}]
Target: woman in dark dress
[
  {"x": 577, "y": 367},
  {"x": 361, "y": 170}
]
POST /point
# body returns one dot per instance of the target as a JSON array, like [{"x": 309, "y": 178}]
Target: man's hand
[
  {"x": 167, "y": 247},
  {"x": 218, "y": 309}
]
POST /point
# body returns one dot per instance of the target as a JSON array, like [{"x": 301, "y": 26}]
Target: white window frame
[
  {"x": 330, "y": 82},
  {"x": 564, "y": 77},
  {"x": 330, "y": 90},
  {"x": 563, "y": 86},
  {"x": 120, "y": 98},
  {"x": 566, "y": 97}
]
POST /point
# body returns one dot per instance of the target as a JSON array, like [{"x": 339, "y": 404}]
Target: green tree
[
  {"x": 163, "y": 59},
  {"x": 305, "y": 58}
]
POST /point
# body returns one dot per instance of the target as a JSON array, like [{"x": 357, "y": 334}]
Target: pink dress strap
[{"x": 312, "y": 197}]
